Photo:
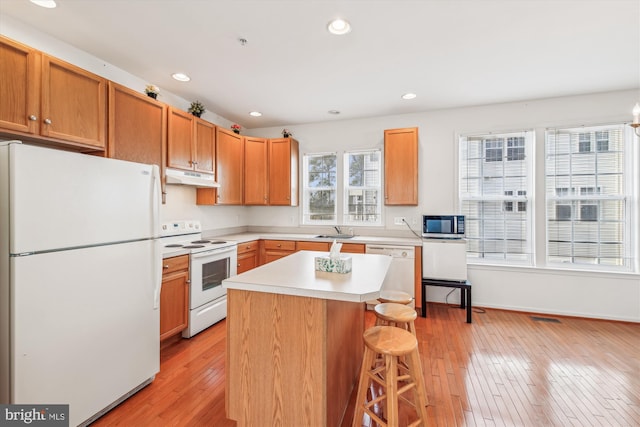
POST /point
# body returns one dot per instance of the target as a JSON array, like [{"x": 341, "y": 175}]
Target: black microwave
[{"x": 443, "y": 226}]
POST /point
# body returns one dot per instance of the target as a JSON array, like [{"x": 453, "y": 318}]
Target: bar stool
[
  {"x": 393, "y": 378},
  {"x": 393, "y": 314},
  {"x": 397, "y": 297}
]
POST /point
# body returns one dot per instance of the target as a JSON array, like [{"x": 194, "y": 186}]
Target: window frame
[
  {"x": 522, "y": 219},
  {"x": 592, "y": 197},
  {"x": 346, "y": 187},
  {"x": 306, "y": 191}
]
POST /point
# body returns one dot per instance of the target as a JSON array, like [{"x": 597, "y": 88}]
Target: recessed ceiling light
[
  {"x": 333, "y": 112},
  {"x": 49, "y": 4},
  {"x": 409, "y": 96},
  {"x": 181, "y": 77},
  {"x": 339, "y": 26},
  {"x": 255, "y": 113}
]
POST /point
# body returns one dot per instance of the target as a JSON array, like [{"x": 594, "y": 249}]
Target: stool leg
[
  {"x": 363, "y": 385},
  {"x": 419, "y": 393},
  {"x": 391, "y": 376}
]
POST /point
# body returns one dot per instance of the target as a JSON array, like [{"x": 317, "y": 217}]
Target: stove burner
[
  {"x": 173, "y": 245},
  {"x": 193, "y": 246},
  {"x": 200, "y": 241},
  {"x": 217, "y": 242}
]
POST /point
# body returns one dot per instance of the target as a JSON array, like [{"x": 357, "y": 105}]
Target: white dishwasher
[{"x": 400, "y": 275}]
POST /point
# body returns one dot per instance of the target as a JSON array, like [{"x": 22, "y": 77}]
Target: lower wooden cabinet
[
  {"x": 276, "y": 249},
  {"x": 174, "y": 296},
  {"x": 248, "y": 256}
]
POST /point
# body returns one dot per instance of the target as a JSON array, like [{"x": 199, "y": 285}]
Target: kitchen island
[{"x": 294, "y": 339}]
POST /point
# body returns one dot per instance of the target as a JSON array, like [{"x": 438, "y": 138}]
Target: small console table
[{"x": 465, "y": 293}]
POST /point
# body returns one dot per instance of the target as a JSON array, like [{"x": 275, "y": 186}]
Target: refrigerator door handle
[
  {"x": 157, "y": 273},
  {"x": 155, "y": 200}
]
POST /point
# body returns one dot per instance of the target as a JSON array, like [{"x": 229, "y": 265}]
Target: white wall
[{"x": 612, "y": 296}]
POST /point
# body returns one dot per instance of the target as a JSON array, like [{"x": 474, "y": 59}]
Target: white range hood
[{"x": 196, "y": 179}]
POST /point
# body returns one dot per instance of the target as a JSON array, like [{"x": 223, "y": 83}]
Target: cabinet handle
[
  {"x": 33, "y": 118},
  {"x": 166, "y": 266},
  {"x": 279, "y": 246},
  {"x": 47, "y": 121},
  {"x": 238, "y": 264}
]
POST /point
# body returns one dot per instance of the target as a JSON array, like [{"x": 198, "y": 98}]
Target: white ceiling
[{"x": 451, "y": 53}]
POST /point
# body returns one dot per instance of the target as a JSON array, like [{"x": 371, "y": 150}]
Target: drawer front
[
  {"x": 176, "y": 263},
  {"x": 354, "y": 248},
  {"x": 287, "y": 245},
  {"x": 247, "y": 247},
  {"x": 312, "y": 246}
]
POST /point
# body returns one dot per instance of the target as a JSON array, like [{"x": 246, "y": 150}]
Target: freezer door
[
  {"x": 60, "y": 199},
  {"x": 84, "y": 328}
]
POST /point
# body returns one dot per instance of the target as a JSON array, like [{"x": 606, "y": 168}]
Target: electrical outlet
[{"x": 399, "y": 220}]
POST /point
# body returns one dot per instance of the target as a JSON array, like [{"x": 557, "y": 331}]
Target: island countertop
[{"x": 296, "y": 275}]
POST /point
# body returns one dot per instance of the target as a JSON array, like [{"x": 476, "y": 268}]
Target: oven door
[{"x": 208, "y": 270}]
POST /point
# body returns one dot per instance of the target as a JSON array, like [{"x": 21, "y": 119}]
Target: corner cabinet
[
  {"x": 174, "y": 296},
  {"x": 50, "y": 100},
  {"x": 401, "y": 166},
  {"x": 229, "y": 155},
  {"x": 191, "y": 142},
  {"x": 283, "y": 172}
]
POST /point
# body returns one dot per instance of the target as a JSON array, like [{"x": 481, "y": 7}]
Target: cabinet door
[
  {"x": 180, "y": 140},
  {"x": 283, "y": 172},
  {"x": 19, "y": 100},
  {"x": 205, "y": 145},
  {"x": 354, "y": 248},
  {"x": 174, "y": 304},
  {"x": 229, "y": 173},
  {"x": 312, "y": 246},
  {"x": 73, "y": 104},
  {"x": 401, "y": 166},
  {"x": 137, "y": 127},
  {"x": 255, "y": 171}
]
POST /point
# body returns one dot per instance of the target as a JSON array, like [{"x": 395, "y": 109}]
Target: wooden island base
[{"x": 291, "y": 360}]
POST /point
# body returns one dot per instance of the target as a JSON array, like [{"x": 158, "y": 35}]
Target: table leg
[
  {"x": 468, "y": 292},
  {"x": 463, "y": 297}
]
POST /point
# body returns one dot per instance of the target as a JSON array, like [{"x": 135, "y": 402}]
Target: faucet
[{"x": 337, "y": 229}]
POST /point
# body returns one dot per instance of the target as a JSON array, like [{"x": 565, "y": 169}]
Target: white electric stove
[{"x": 210, "y": 262}]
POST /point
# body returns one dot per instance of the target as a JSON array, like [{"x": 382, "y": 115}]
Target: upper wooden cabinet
[
  {"x": 283, "y": 172},
  {"x": 48, "y": 99},
  {"x": 229, "y": 163},
  {"x": 191, "y": 142},
  {"x": 255, "y": 171},
  {"x": 20, "y": 70},
  {"x": 137, "y": 127},
  {"x": 401, "y": 166}
]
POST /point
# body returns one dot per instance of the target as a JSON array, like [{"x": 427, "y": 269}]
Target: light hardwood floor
[{"x": 505, "y": 369}]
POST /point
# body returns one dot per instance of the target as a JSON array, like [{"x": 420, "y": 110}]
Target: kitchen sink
[{"x": 334, "y": 236}]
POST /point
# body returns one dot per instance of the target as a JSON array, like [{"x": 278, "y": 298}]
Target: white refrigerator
[{"x": 80, "y": 276}]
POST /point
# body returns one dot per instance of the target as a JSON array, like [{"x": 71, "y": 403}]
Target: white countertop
[
  {"x": 380, "y": 240},
  {"x": 296, "y": 275}
]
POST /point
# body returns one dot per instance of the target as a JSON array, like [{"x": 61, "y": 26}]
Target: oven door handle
[{"x": 213, "y": 252}]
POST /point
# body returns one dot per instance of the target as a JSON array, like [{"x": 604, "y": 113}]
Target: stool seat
[
  {"x": 393, "y": 312},
  {"x": 389, "y": 340},
  {"x": 399, "y": 297}
]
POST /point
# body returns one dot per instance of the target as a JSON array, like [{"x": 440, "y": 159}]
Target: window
[
  {"x": 494, "y": 196},
  {"x": 515, "y": 148},
  {"x": 493, "y": 150},
  {"x": 362, "y": 187},
  {"x": 584, "y": 143},
  {"x": 319, "y": 189},
  {"x": 588, "y": 197},
  {"x": 602, "y": 140}
]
